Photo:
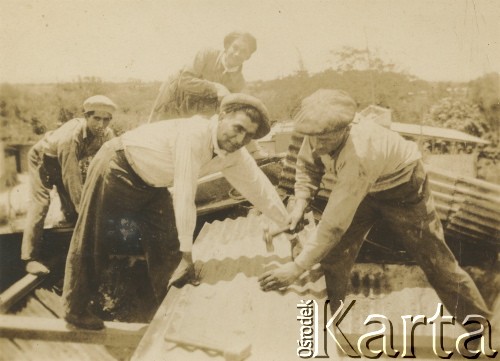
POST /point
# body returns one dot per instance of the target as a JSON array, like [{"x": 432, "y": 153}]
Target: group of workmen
[{"x": 149, "y": 175}]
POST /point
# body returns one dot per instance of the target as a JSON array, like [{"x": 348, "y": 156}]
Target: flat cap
[
  {"x": 98, "y": 103},
  {"x": 245, "y": 99},
  {"x": 325, "y": 111}
]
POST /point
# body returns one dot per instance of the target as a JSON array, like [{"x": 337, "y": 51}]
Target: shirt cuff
[{"x": 186, "y": 244}]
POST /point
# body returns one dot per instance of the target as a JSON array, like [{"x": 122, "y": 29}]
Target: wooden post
[{"x": 18, "y": 290}]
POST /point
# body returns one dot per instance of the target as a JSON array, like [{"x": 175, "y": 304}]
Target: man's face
[
  {"x": 98, "y": 122},
  {"x": 237, "y": 53},
  {"x": 327, "y": 143},
  {"x": 235, "y": 130}
]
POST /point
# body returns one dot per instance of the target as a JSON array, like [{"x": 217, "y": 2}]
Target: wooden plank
[
  {"x": 50, "y": 300},
  {"x": 10, "y": 351},
  {"x": 47, "y": 329},
  {"x": 37, "y": 350},
  {"x": 18, "y": 290}
]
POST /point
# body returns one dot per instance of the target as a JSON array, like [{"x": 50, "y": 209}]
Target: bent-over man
[
  {"x": 60, "y": 159},
  {"x": 129, "y": 178},
  {"x": 378, "y": 176}
]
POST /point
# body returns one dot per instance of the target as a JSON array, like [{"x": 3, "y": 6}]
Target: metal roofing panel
[
  {"x": 229, "y": 306},
  {"x": 435, "y": 132}
]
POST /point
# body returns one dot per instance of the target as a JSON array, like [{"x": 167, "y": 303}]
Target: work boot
[
  {"x": 36, "y": 268},
  {"x": 86, "y": 320}
]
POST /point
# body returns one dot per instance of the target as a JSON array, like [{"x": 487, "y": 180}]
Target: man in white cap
[
  {"x": 129, "y": 179},
  {"x": 60, "y": 159},
  {"x": 378, "y": 176}
]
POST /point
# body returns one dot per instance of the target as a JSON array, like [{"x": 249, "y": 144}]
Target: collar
[
  {"x": 222, "y": 59},
  {"x": 214, "y": 125},
  {"x": 85, "y": 133},
  {"x": 336, "y": 152}
]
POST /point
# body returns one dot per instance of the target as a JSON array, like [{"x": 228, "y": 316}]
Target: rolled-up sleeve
[
  {"x": 187, "y": 169},
  {"x": 246, "y": 176},
  {"x": 191, "y": 82},
  {"x": 309, "y": 172},
  {"x": 352, "y": 186}
]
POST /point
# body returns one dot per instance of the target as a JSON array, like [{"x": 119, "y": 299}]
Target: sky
[{"x": 117, "y": 40}]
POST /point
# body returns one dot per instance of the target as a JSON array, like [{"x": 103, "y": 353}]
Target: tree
[
  {"x": 459, "y": 114},
  {"x": 348, "y": 59},
  {"x": 485, "y": 91}
]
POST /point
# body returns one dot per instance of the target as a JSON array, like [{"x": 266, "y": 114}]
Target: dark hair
[
  {"x": 89, "y": 113},
  {"x": 247, "y": 37},
  {"x": 250, "y": 111}
]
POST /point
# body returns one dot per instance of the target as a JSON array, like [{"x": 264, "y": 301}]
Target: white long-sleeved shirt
[
  {"x": 175, "y": 153},
  {"x": 371, "y": 160}
]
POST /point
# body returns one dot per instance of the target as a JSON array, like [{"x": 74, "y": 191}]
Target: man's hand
[
  {"x": 184, "y": 273},
  {"x": 280, "y": 277}
]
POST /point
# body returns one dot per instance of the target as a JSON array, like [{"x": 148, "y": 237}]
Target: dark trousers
[
  {"x": 409, "y": 212},
  {"x": 44, "y": 173},
  {"x": 114, "y": 192}
]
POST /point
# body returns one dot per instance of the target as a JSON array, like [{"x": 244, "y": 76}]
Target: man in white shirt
[
  {"x": 378, "y": 176},
  {"x": 128, "y": 179}
]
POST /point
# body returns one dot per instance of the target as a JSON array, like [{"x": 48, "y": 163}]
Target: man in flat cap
[
  {"x": 60, "y": 159},
  {"x": 378, "y": 176},
  {"x": 129, "y": 178},
  {"x": 199, "y": 87}
]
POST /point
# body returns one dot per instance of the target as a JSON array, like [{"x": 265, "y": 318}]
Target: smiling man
[
  {"x": 129, "y": 178},
  {"x": 199, "y": 87},
  {"x": 60, "y": 159}
]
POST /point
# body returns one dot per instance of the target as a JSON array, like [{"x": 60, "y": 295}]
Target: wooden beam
[
  {"x": 52, "y": 329},
  {"x": 18, "y": 290}
]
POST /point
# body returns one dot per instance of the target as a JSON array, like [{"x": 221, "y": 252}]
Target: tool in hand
[{"x": 268, "y": 235}]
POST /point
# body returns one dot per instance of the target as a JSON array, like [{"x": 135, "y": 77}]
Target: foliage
[
  {"x": 459, "y": 114},
  {"x": 348, "y": 59},
  {"x": 27, "y": 111}
]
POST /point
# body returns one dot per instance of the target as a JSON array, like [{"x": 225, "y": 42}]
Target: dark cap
[
  {"x": 325, "y": 111},
  {"x": 245, "y": 99}
]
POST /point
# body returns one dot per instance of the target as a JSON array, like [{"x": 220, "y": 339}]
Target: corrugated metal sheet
[
  {"x": 229, "y": 306},
  {"x": 435, "y": 132},
  {"x": 468, "y": 207},
  {"x": 402, "y": 128}
]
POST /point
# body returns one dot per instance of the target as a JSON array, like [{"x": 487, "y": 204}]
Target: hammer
[{"x": 268, "y": 235}]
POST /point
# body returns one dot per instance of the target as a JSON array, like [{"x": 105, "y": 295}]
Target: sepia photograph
[{"x": 230, "y": 180}]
